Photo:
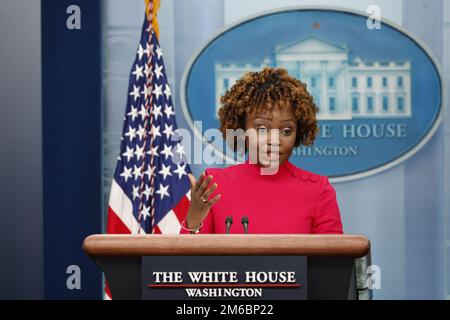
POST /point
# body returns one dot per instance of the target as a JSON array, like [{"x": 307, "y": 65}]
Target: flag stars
[
  {"x": 159, "y": 52},
  {"x": 158, "y": 71},
  {"x": 150, "y": 114},
  {"x": 157, "y": 91},
  {"x": 135, "y": 92},
  {"x": 126, "y": 173},
  {"x": 148, "y": 50},
  {"x": 163, "y": 191},
  {"x": 168, "y": 131},
  {"x": 143, "y": 112},
  {"x": 131, "y": 134},
  {"x": 148, "y": 192},
  {"x": 133, "y": 113},
  {"x": 141, "y": 132},
  {"x": 137, "y": 172},
  {"x": 155, "y": 131},
  {"x": 138, "y": 72},
  {"x": 167, "y": 152},
  {"x": 167, "y": 92},
  {"x": 148, "y": 70},
  {"x": 146, "y": 92},
  {"x": 157, "y": 112},
  {"x": 128, "y": 154},
  {"x": 153, "y": 152},
  {"x": 140, "y": 52},
  {"x": 139, "y": 153},
  {"x": 168, "y": 110},
  {"x": 135, "y": 192},
  {"x": 150, "y": 172},
  {"x": 181, "y": 170},
  {"x": 145, "y": 212},
  {"x": 165, "y": 171},
  {"x": 180, "y": 150}
]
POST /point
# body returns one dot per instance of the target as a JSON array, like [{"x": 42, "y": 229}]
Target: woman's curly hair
[{"x": 262, "y": 91}]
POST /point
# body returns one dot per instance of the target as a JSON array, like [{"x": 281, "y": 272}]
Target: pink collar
[{"x": 285, "y": 166}]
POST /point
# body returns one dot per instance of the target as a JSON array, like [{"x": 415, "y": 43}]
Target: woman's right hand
[{"x": 199, "y": 209}]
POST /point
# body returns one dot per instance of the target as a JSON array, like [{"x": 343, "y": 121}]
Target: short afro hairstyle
[{"x": 262, "y": 91}]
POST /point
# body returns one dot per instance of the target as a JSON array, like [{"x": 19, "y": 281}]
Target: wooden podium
[{"x": 335, "y": 264}]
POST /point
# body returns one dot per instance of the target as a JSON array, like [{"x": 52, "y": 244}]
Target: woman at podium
[{"x": 266, "y": 194}]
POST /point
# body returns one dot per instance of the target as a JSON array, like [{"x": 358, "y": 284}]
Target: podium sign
[{"x": 224, "y": 277}]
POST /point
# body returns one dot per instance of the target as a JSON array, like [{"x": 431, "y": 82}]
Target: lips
[{"x": 276, "y": 151}]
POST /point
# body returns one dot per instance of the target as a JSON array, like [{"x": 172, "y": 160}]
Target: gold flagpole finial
[{"x": 151, "y": 9}]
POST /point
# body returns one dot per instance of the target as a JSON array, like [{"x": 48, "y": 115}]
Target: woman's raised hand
[{"x": 200, "y": 202}]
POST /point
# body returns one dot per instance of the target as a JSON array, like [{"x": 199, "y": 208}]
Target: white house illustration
[{"x": 342, "y": 89}]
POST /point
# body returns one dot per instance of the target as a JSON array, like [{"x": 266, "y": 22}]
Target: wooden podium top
[{"x": 106, "y": 245}]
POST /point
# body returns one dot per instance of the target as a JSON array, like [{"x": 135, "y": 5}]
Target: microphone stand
[
  {"x": 228, "y": 223},
  {"x": 244, "y": 222}
]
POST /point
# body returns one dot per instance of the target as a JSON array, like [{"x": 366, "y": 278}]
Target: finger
[
  {"x": 204, "y": 184},
  {"x": 214, "y": 200},
  {"x": 192, "y": 180},
  {"x": 199, "y": 182},
  {"x": 209, "y": 191}
]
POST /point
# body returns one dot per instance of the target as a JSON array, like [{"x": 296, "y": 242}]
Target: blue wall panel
[{"x": 71, "y": 144}]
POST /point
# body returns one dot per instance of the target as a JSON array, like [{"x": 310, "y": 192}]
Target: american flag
[{"x": 150, "y": 188}]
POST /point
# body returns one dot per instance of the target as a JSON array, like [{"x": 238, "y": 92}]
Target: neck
[{"x": 267, "y": 170}]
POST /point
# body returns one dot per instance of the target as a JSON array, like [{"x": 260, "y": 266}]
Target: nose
[{"x": 273, "y": 139}]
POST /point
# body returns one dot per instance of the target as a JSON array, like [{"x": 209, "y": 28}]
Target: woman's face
[{"x": 275, "y": 131}]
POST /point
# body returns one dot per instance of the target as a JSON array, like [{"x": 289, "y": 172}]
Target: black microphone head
[
  {"x": 229, "y": 220},
  {"x": 244, "y": 220}
]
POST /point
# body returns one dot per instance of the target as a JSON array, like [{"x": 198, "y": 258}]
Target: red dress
[{"x": 292, "y": 201}]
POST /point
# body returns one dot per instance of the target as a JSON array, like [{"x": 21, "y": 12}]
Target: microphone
[
  {"x": 244, "y": 222},
  {"x": 228, "y": 223}
]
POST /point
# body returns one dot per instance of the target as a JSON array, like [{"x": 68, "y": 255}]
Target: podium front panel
[{"x": 327, "y": 278}]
